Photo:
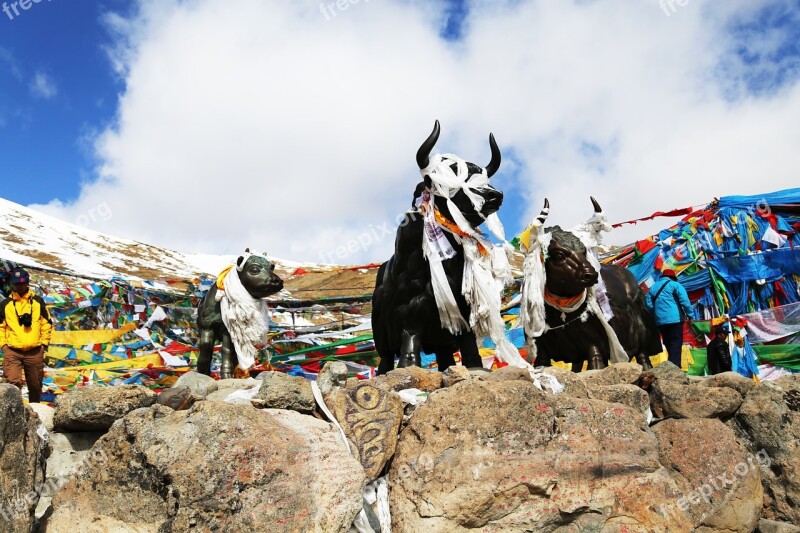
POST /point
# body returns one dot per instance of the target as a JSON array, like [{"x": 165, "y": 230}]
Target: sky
[{"x": 291, "y": 126}]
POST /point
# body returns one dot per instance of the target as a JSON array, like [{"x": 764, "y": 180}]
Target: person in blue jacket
[{"x": 665, "y": 300}]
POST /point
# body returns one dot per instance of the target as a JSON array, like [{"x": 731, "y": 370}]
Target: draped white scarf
[{"x": 246, "y": 318}]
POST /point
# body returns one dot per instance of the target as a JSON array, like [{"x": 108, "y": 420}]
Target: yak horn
[
  {"x": 425, "y": 150},
  {"x": 543, "y": 215},
  {"x": 494, "y": 164},
  {"x": 597, "y": 208}
]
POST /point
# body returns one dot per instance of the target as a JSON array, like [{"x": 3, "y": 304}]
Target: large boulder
[
  {"x": 719, "y": 479},
  {"x": 282, "y": 391},
  {"x": 629, "y": 395},
  {"x": 615, "y": 374},
  {"x": 506, "y": 456},
  {"x": 672, "y": 398},
  {"x": 573, "y": 384},
  {"x": 216, "y": 467},
  {"x": 370, "y": 418},
  {"x": 668, "y": 371},
  {"x": 770, "y": 419},
  {"x": 732, "y": 380},
  {"x": 97, "y": 408},
  {"x": 22, "y": 461},
  {"x": 412, "y": 377}
]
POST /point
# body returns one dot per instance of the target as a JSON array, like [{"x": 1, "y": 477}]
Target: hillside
[{"x": 65, "y": 250}]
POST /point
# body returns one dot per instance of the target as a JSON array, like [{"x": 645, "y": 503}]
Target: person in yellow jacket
[{"x": 25, "y": 331}]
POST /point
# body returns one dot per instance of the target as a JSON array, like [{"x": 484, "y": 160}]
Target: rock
[
  {"x": 412, "y": 377},
  {"x": 770, "y": 418},
  {"x": 719, "y": 479},
  {"x": 200, "y": 384},
  {"x": 615, "y": 374},
  {"x": 177, "y": 398},
  {"x": 479, "y": 373},
  {"x": 22, "y": 461},
  {"x": 671, "y": 398},
  {"x": 629, "y": 395},
  {"x": 96, "y": 408},
  {"x": 506, "y": 456},
  {"x": 667, "y": 371},
  {"x": 45, "y": 414},
  {"x": 509, "y": 373},
  {"x": 237, "y": 384},
  {"x": 229, "y": 386},
  {"x": 69, "y": 454},
  {"x": 732, "y": 380},
  {"x": 281, "y": 391},
  {"x": 771, "y": 526},
  {"x": 573, "y": 385},
  {"x": 332, "y": 376},
  {"x": 455, "y": 374},
  {"x": 371, "y": 419},
  {"x": 215, "y": 467}
]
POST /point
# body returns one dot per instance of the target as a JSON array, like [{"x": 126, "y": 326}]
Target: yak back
[
  {"x": 403, "y": 297},
  {"x": 635, "y": 327}
]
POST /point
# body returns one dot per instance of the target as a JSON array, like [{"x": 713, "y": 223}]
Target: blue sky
[
  {"x": 648, "y": 108},
  {"x": 56, "y": 88}
]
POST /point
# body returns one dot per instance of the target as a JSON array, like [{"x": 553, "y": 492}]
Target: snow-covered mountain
[
  {"x": 71, "y": 253},
  {"x": 36, "y": 240}
]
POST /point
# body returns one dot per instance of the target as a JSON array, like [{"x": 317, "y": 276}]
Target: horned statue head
[
  {"x": 460, "y": 188},
  {"x": 567, "y": 264},
  {"x": 257, "y": 274}
]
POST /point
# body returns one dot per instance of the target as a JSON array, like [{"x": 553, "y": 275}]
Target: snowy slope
[{"x": 33, "y": 239}]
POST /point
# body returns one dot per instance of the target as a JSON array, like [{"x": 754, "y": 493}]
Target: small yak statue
[
  {"x": 235, "y": 312},
  {"x": 565, "y": 316}
]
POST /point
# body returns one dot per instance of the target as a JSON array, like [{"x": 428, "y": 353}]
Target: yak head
[
  {"x": 257, "y": 274},
  {"x": 492, "y": 199},
  {"x": 567, "y": 266}
]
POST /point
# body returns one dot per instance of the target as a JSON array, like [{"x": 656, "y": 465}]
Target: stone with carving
[{"x": 371, "y": 419}]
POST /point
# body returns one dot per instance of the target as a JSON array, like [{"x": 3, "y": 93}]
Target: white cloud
[
  {"x": 247, "y": 123},
  {"x": 42, "y": 86}
]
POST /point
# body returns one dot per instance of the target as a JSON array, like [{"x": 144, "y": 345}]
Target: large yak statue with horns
[{"x": 419, "y": 302}]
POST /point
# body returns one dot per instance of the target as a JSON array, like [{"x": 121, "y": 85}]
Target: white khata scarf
[
  {"x": 486, "y": 267},
  {"x": 532, "y": 310},
  {"x": 246, "y": 318}
]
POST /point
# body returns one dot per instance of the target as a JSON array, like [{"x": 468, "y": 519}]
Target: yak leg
[
  {"x": 596, "y": 360},
  {"x": 445, "y": 358},
  {"x": 410, "y": 346},
  {"x": 206, "y": 345},
  {"x": 470, "y": 356},
  {"x": 228, "y": 357},
  {"x": 386, "y": 364},
  {"x": 643, "y": 360}
]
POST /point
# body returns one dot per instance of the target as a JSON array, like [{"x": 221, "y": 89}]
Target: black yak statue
[
  {"x": 419, "y": 303},
  {"x": 573, "y": 313},
  {"x": 235, "y": 312}
]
